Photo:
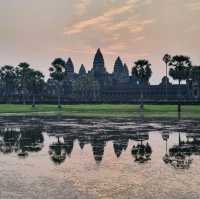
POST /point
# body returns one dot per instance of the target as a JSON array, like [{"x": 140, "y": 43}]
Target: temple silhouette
[
  {"x": 97, "y": 85},
  {"x": 19, "y": 85}
]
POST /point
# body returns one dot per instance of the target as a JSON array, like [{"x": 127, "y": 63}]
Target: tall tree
[
  {"x": 57, "y": 73},
  {"x": 181, "y": 67},
  {"x": 22, "y": 77},
  {"x": 35, "y": 84},
  {"x": 166, "y": 59},
  {"x": 142, "y": 71},
  {"x": 8, "y": 77}
]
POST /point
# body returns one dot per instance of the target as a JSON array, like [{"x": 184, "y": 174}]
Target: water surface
[{"x": 59, "y": 158}]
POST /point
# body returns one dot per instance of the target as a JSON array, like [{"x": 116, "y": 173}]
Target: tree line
[
  {"x": 26, "y": 80},
  {"x": 181, "y": 69},
  {"x": 21, "y": 79}
]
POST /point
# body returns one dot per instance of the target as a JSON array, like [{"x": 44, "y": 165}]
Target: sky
[{"x": 37, "y": 31}]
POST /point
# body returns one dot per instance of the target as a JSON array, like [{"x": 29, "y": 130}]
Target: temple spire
[
  {"x": 98, "y": 59},
  {"x": 126, "y": 69},
  {"x": 98, "y": 64},
  {"x": 69, "y": 66},
  {"x": 82, "y": 70},
  {"x": 118, "y": 66}
]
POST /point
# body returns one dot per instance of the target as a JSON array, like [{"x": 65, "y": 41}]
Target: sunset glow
[{"x": 37, "y": 31}]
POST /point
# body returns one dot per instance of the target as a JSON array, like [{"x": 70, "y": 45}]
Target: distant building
[
  {"x": 119, "y": 86},
  {"x": 97, "y": 85}
]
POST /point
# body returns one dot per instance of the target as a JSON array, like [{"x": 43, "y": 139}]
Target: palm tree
[
  {"x": 8, "y": 77},
  {"x": 57, "y": 73},
  {"x": 166, "y": 59},
  {"x": 35, "y": 83},
  {"x": 142, "y": 72},
  {"x": 181, "y": 70},
  {"x": 22, "y": 77}
]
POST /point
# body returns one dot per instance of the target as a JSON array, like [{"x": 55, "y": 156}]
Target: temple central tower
[{"x": 98, "y": 64}]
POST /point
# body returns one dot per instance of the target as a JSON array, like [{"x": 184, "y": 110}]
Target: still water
[{"x": 61, "y": 158}]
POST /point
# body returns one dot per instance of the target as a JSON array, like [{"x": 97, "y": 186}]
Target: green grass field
[{"x": 101, "y": 110}]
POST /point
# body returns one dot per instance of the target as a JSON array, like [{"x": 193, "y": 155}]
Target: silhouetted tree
[
  {"x": 181, "y": 70},
  {"x": 57, "y": 73},
  {"x": 166, "y": 59},
  {"x": 35, "y": 83},
  {"x": 22, "y": 77},
  {"x": 8, "y": 77},
  {"x": 142, "y": 72}
]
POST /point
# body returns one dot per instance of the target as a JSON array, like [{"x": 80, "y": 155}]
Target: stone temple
[{"x": 97, "y": 85}]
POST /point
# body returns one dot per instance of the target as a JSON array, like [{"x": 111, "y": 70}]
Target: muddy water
[{"x": 60, "y": 158}]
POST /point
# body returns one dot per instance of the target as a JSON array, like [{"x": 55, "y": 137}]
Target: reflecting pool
[{"x": 62, "y": 158}]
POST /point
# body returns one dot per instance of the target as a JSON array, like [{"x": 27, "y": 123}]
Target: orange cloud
[{"x": 106, "y": 17}]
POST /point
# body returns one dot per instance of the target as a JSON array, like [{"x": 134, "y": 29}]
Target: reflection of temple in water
[
  {"x": 119, "y": 146},
  {"x": 120, "y": 140},
  {"x": 26, "y": 139},
  {"x": 98, "y": 148}
]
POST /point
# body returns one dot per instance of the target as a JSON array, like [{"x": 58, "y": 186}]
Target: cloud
[
  {"x": 192, "y": 28},
  {"x": 116, "y": 29},
  {"x": 81, "y": 6},
  {"x": 194, "y": 6},
  {"x": 116, "y": 24},
  {"x": 140, "y": 38},
  {"x": 106, "y": 17},
  {"x": 129, "y": 24},
  {"x": 85, "y": 50},
  {"x": 108, "y": 21}
]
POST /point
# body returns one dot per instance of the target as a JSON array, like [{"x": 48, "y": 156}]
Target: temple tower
[
  {"x": 99, "y": 70},
  {"x": 98, "y": 64},
  {"x": 82, "y": 70},
  {"x": 120, "y": 73},
  {"x": 126, "y": 69},
  {"x": 69, "y": 66},
  {"x": 118, "y": 66}
]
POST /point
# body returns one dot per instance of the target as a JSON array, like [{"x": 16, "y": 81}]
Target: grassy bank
[{"x": 102, "y": 110}]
